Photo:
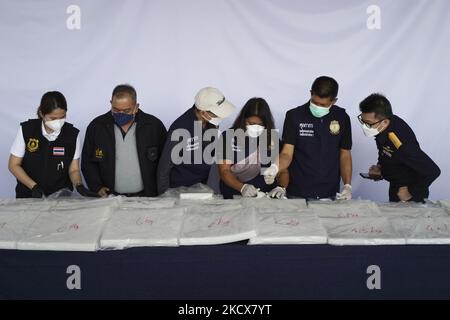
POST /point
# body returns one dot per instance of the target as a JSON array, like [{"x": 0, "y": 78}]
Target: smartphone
[{"x": 367, "y": 176}]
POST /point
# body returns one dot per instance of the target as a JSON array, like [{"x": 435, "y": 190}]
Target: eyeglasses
[{"x": 369, "y": 125}]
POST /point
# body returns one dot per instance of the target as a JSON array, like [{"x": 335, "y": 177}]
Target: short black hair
[
  {"x": 325, "y": 87},
  {"x": 256, "y": 107},
  {"x": 378, "y": 104},
  {"x": 123, "y": 90},
  {"x": 51, "y": 101}
]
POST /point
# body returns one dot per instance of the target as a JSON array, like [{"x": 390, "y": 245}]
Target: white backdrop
[{"x": 168, "y": 49}]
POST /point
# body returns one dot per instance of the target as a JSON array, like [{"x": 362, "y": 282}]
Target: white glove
[
  {"x": 277, "y": 192},
  {"x": 249, "y": 191},
  {"x": 270, "y": 174},
  {"x": 346, "y": 193}
]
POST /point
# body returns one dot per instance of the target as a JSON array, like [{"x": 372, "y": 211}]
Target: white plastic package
[
  {"x": 274, "y": 205},
  {"x": 142, "y": 228},
  {"x": 348, "y": 209},
  {"x": 411, "y": 209},
  {"x": 66, "y": 230},
  {"x": 208, "y": 228},
  {"x": 362, "y": 231},
  {"x": 198, "y": 191},
  {"x": 13, "y": 225},
  {"x": 145, "y": 203},
  {"x": 299, "y": 227}
]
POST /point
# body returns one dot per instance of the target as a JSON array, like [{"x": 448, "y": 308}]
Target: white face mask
[
  {"x": 55, "y": 125},
  {"x": 215, "y": 121},
  {"x": 369, "y": 132},
  {"x": 254, "y": 130}
]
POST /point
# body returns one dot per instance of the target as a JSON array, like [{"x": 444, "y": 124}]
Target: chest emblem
[
  {"x": 99, "y": 153},
  {"x": 335, "y": 128},
  {"x": 32, "y": 145}
]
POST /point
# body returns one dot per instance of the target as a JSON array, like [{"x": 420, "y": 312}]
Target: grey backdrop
[{"x": 168, "y": 49}]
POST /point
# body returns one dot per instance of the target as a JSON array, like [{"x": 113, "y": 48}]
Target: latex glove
[
  {"x": 37, "y": 192},
  {"x": 277, "y": 192},
  {"x": 83, "y": 191},
  {"x": 270, "y": 174},
  {"x": 249, "y": 191},
  {"x": 346, "y": 193}
]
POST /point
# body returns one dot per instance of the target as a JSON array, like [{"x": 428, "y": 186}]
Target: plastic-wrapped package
[
  {"x": 411, "y": 209},
  {"x": 145, "y": 203},
  {"x": 221, "y": 226},
  {"x": 445, "y": 204},
  {"x": 142, "y": 228},
  {"x": 299, "y": 227},
  {"x": 66, "y": 230},
  {"x": 423, "y": 230},
  {"x": 18, "y": 205},
  {"x": 345, "y": 209},
  {"x": 212, "y": 205},
  {"x": 362, "y": 231},
  {"x": 274, "y": 205},
  {"x": 75, "y": 203},
  {"x": 198, "y": 191},
  {"x": 13, "y": 225}
]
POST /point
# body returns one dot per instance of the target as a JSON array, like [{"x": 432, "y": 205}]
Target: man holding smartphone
[{"x": 401, "y": 161}]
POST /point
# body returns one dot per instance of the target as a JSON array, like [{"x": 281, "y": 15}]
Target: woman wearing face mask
[
  {"x": 245, "y": 151},
  {"x": 45, "y": 154}
]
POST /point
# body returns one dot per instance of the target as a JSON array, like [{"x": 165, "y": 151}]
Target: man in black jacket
[
  {"x": 122, "y": 148},
  {"x": 401, "y": 161}
]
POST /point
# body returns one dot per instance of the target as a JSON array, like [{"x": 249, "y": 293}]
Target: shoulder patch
[{"x": 394, "y": 139}]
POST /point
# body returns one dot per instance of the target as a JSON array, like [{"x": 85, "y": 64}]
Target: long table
[{"x": 232, "y": 271}]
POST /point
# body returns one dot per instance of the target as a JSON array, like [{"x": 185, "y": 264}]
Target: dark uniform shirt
[
  {"x": 315, "y": 168},
  {"x": 195, "y": 169},
  {"x": 98, "y": 160},
  {"x": 402, "y": 161}
]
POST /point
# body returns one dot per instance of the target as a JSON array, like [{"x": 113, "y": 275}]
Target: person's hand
[
  {"x": 277, "y": 192},
  {"x": 403, "y": 194},
  {"x": 37, "y": 192},
  {"x": 83, "y": 191},
  {"x": 103, "y": 192},
  {"x": 270, "y": 174},
  {"x": 346, "y": 193},
  {"x": 249, "y": 191},
  {"x": 375, "y": 172}
]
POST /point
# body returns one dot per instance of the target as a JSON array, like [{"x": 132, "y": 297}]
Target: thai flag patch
[{"x": 58, "y": 151}]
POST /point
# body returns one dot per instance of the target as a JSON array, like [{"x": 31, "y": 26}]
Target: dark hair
[
  {"x": 325, "y": 87},
  {"x": 256, "y": 107},
  {"x": 123, "y": 90},
  {"x": 51, "y": 101},
  {"x": 378, "y": 104}
]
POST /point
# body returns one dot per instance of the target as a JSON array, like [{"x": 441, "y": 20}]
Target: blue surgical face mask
[
  {"x": 122, "y": 118},
  {"x": 318, "y": 111}
]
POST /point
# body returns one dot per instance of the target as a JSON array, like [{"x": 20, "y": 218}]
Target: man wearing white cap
[{"x": 185, "y": 141}]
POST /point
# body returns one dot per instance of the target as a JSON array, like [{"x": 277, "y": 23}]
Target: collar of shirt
[
  {"x": 50, "y": 136},
  {"x": 383, "y": 136}
]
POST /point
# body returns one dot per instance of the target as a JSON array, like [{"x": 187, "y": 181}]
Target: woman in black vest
[{"x": 45, "y": 154}]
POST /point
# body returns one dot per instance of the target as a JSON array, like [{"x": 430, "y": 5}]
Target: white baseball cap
[{"x": 211, "y": 99}]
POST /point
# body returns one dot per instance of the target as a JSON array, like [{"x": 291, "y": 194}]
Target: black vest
[{"x": 47, "y": 162}]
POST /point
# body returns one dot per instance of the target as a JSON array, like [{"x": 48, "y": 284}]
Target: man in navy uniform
[
  {"x": 197, "y": 129},
  {"x": 401, "y": 161},
  {"x": 317, "y": 140}
]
